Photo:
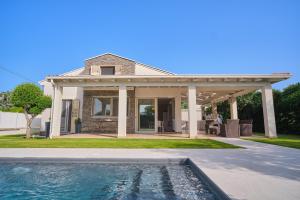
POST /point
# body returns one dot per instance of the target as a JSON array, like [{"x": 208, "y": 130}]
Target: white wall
[
  {"x": 45, "y": 116},
  {"x": 10, "y": 120},
  {"x": 185, "y": 112},
  {"x": 69, "y": 93},
  {"x": 157, "y": 92},
  {"x": 47, "y": 88}
]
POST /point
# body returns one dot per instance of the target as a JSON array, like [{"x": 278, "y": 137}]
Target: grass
[
  {"x": 18, "y": 141},
  {"x": 286, "y": 140}
]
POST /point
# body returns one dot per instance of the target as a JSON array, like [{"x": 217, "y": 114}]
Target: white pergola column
[
  {"x": 56, "y": 111},
  {"x": 156, "y": 115},
  {"x": 214, "y": 110},
  {"x": 233, "y": 108},
  {"x": 178, "y": 113},
  {"x": 122, "y": 113},
  {"x": 199, "y": 112},
  {"x": 268, "y": 109},
  {"x": 192, "y": 111}
]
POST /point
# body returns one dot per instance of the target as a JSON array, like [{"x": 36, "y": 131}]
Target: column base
[
  {"x": 271, "y": 136},
  {"x": 121, "y": 136},
  {"x": 193, "y": 136}
]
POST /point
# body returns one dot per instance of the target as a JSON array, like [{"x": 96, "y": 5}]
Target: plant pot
[
  {"x": 78, "y": 128},
  {"x": 47, "y": 129}
]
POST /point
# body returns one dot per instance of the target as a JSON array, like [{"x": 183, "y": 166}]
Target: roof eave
[{"x": 271, "y": 78}]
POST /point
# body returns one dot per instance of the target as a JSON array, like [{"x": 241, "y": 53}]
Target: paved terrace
[
  {"x": 260, "y": 171},
  {"x": 164, "y": 135}
]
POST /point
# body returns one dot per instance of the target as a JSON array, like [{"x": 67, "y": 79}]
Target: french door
[
  {"x": 66, "y": 116},
  {"x": 146, "y": 114}
]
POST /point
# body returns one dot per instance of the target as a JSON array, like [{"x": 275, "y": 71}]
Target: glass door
[
  {"x": 66, "y": 116},
  {"x": 146, "y": 112}
]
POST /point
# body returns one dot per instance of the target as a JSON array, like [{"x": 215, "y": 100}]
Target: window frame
[
  {"x": 111, "y": 106},
  {"x": 103, "y": 67}
]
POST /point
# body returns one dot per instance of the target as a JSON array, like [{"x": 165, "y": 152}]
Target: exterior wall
[
  {"x": 47, "y": 88},
  {"x": 157, "y": 92},
  {"x": 69, "y": 93},
  {"x": 105, "y": 124},
  {"x": 45, "y": 117},
  {"x": 122, "y": 66}
]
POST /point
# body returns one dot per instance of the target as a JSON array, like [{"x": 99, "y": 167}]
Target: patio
[{"x": 164, "y": 135}]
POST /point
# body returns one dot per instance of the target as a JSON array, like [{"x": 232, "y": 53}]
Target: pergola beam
[{"x": 227, "y": 85}]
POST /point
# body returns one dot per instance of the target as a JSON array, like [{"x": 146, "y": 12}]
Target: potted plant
[
  {"x": 47, "y": 128},
  {"x": 78, "y": 125}
]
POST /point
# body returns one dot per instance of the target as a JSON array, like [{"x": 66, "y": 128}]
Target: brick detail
[
  {"x": 122, "y": 66},
  {"x": 91, "y": 124}
]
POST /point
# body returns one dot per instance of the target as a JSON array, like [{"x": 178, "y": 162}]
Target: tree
[
  {"x": 224, "y": 109},
  {"x": 5, "y": 102},
  {"x": 31, "y": 98},
  {"x": 290, "y": 108}
]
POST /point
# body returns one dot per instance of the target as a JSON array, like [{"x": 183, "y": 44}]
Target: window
[
  {"x": 107, "y": 106},
  {"x": 102, "y": 107},
  {"x": 108, "y": 70}
]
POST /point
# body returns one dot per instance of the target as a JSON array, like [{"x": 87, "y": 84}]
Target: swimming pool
[{"x": 96, "y": 179}]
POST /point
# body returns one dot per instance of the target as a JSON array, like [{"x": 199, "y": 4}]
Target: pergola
[{"x": 198, "y": 89}]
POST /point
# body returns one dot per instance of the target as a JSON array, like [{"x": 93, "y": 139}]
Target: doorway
[
  {"x": 66, "y": 116},
  {"x": 146, "y": 115},
  {"x": 166, "y": 114}
]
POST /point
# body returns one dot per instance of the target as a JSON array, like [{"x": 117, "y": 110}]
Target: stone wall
[
  {"x": 122, "y": 66},
  {"x": 105, "y": 124}
]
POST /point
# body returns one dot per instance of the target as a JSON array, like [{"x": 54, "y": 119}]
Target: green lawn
[
  {"x": 18, "y": 141},
  {"x": 285, "y": 140}
]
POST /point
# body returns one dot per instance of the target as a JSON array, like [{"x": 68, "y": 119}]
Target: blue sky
[{"x": 39, "y": 38}]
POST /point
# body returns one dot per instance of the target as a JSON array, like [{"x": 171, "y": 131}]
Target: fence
[{"x": 9, "y": 120}]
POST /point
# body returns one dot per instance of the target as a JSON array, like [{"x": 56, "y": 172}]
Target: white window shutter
[{"x": 95, "y": 70}]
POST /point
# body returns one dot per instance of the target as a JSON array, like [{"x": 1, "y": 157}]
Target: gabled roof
[
  {"x": 136, "y": 62},
  {"x": 109, "y": 54}
]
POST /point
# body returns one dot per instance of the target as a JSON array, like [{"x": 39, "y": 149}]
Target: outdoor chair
[
  {"x": 230, "y": 129},
  {"x": 201, "y": 125},
  {"x": 246, "y": 127},
  {"x": 168, "y": 126},
  {"x": 160, "y": 126},
  {"x": 184, "y": 126},
  {"x": 215, "y": 129},
  {"x": 208, "y": 123}
]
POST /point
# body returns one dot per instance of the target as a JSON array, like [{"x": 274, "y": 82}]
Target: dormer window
[{"x": 108, "y": 70}]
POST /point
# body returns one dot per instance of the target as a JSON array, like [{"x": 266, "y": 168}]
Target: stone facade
[
  {"x": 93, "y": 124},
  {"x": 122, "y": 66}
]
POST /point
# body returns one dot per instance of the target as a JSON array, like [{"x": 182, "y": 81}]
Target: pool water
[{"x": 113, "y": 181}]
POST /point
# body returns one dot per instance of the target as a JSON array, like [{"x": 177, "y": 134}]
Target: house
[{"x": 113, "y": 94}]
